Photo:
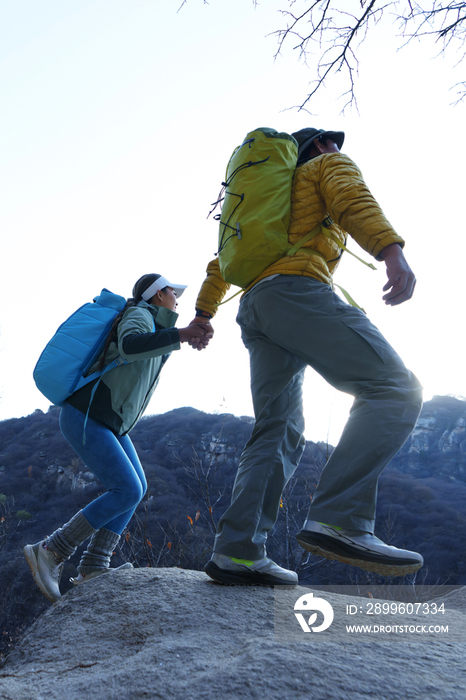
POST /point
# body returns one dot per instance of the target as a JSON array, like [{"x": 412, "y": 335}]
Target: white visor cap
[{"x": 161, "y": 283}]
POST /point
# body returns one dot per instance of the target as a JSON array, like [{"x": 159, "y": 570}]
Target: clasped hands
[{"x": 197, "y": 334}]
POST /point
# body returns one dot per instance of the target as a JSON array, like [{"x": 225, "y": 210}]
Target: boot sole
[
  {"x": 233, "y": 578},
  {"x": 319, "y": 545},
  {"x": 31, "y": 559}
]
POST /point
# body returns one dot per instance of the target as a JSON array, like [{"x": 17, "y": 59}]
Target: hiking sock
[
  {"x": 99, "y": 551},
  {"x": 64, "y": 541}
]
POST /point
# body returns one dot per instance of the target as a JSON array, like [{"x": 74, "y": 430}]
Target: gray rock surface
[{"x": 172, "y": 633}]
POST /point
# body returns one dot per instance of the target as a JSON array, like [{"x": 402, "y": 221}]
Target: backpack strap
[
  {"x": 349, "y": 298},
  {"x": 317, "y": 229},
  {"x": 341, "y": 245},
  {"x": 116, "y": 362},
  {"x": 324, "y": 228},
  {"x": 321, "y": 228}
]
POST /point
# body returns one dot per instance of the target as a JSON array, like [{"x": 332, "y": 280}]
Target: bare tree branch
[
  {"x": 205, "y": 3},
  {"x": 337, "y": 34},
  {"x": 333, "y": 35},
  {"x": 332, "y": 32}
]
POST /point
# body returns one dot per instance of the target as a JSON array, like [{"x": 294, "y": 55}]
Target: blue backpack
[{"x": 78, "y": 342}]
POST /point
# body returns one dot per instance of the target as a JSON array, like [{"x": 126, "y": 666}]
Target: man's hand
[
  {"x": 201, "y": 343},
  {"x": 204, "y": 322},
  {"x": 401, "y": 279},
  {"x": 196, "y": 334}
]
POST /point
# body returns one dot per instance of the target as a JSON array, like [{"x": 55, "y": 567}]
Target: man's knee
[
  {"x": 411, "y": 395},
  {"x": 413, "y": 389},
  {"x": 399, "y": 391}
]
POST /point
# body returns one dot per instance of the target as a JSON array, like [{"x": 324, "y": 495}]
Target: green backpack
[
  {"x": 256, "y": 211},
  {"x": 253, "y": 224}
]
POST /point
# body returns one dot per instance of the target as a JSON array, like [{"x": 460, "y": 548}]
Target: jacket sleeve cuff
[
  {"x": 203, "y": 314},
  {"x": 389, "y": 240}
]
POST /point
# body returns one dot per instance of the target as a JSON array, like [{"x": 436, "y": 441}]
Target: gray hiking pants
[{"x": 287, "y": 323}]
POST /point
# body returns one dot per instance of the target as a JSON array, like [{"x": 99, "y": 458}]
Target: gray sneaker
[
  {"x": 83, "y": 578},
  {"x": 242, "y": 572},
  {"x": 46, "y": 568},
  {"x": 358, "y": 549}
]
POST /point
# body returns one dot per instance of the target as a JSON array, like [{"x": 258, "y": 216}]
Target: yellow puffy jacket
[{"x": 329, "y": 185}]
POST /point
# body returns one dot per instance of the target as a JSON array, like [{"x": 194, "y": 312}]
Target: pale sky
[{"x": 117, "y": 120}]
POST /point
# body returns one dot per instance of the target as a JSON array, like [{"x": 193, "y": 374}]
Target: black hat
[{"x": 305, "y": 137}]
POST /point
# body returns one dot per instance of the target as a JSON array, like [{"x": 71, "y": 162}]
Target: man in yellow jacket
[{"x": 291, "y": 318}]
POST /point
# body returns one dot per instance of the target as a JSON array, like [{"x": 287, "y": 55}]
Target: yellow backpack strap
[
  {"x": 293, "y": 250},
  {"x": 323, "y": 228},
  {"x": 341, "y": 245},
  {"x": 229, "y": 298},
  {"x": 349, "y": 298},
  {"x": 306, "y": 238}
]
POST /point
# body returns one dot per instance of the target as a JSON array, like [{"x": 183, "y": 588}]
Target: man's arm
[
  {"x": 212, "y": 291},
  {"x": 401, "y": 280},
  {"x": 210, "y": 295},
  {"x": 352, "y": 206}
]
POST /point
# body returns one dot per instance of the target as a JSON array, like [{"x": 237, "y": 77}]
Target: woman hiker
[{"x": 144, "y": 335}]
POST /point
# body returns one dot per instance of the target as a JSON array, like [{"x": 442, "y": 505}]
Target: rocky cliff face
[
  {"x": 437, "y": 446},
  {"x": 174, "y": 634}
]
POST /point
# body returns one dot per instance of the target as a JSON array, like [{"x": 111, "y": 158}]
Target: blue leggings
[{"x": 114, "y": 461}]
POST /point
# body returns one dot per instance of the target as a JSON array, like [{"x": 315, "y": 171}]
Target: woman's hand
[{"x": 197, "y": 334}]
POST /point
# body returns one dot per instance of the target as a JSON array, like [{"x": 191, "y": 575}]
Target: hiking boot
[
  {"x": 243, "y": 572},
  {"x": 46, "y": 568},
  {"x": 83, "y": 578},
  {"x": 358, "y": 549}
]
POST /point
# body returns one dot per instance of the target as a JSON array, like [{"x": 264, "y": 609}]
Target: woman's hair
[{"x": 139, "y": 288}]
